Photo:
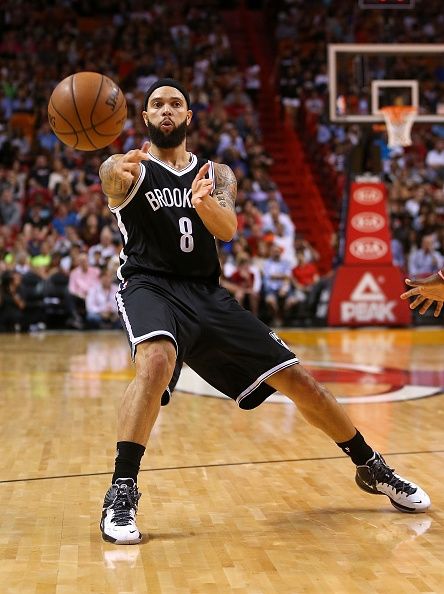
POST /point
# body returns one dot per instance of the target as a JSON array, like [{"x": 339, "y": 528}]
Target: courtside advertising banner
[
  {"x": 368, "y": 296},
  {"x": 367, "y": 286},
  {"x": 368, "y": 235}
]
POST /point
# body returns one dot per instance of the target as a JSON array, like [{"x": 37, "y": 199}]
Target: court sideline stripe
[{"x": 220, "y": 465}]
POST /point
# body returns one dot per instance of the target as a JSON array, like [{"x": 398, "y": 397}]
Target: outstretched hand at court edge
[{"x": 426, "y": 291}]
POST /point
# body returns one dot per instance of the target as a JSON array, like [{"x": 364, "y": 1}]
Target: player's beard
[{"x": 167, "y": 140}]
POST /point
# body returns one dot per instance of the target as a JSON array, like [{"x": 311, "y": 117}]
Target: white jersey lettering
[
  {"x": 154, "y": 203},
  {"x": 168, "y": 197},
  {"x": 165, "y": 197}
]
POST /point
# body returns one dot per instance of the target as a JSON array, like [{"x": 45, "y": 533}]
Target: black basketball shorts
[{"x": 221, "y": 341}]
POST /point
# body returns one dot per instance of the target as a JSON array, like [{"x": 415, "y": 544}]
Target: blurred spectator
[
  {"x": 426, "y": 259},
  {"x": 10, "y": 211},
  {"x": 39, "y": 174},
  {"x": 283, "y": 240},
  {"x": 252, "y": 80},
  {"x": 12, "y": 304},
  {"x": 101, "y": 306},
  {"x": 41, "y": 262},
  {"x": 274, "y": 218},
  {"x": 435, "y": 159},
  {"x": 81, "y": 278},
  {"x": 72, "y": 258},
  {"x": 46, "y": 138},
  {"x": 249, "y": 217},
  {"x": 22, "y": 262},
  {"x": 60, "y": 304},
  {"x": 230, "y": 139},
  {"x": 310, "y": 254},
  {"x": 64, "y": 217},
  {"x": 289, "y": 90},
  {"x": 305, "y": 273},
  {"x": 244, "y": 283},
  {"x": 101, "y": 252},
  {"x": 263, "y": 188},
  {"x": 89, "y": 229},
  {"x": 32, "y": 291},
  {"x": 237, "y": 101},
  {"x": 398, "y": 254},
  {"x": 277, "y": 286},
  {"x": 305, "y": 276}
]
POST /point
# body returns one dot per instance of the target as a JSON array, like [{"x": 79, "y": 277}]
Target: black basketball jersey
[{"x": 161, "y": 231}]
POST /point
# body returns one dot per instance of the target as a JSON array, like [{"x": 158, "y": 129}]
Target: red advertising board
[
  {"x": 366, "y": 288},
  {"x": 368, "y": 234},
  {"x": 367, "y": 296}
]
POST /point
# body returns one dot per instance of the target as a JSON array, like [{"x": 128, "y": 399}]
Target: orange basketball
[{"x": 87, "y": 111}]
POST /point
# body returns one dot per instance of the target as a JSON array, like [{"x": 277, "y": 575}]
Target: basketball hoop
[{"x": 399, "y": 121}]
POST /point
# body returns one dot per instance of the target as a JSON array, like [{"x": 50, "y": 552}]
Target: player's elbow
[
  {"x": 225, "y": 237},
  {"x": 228, "y": 232}
]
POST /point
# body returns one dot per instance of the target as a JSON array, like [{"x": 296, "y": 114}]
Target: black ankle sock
[
  {"x": 357, "y": 449},
  {"x": 129, "y": 455}
]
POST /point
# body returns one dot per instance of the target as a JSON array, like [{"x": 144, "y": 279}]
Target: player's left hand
[
  {"x": 201, "y": 186},
  {"x": 426, "y": 291}
]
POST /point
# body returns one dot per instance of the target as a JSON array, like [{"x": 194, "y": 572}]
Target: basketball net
[{"x": 399, "y": 121}]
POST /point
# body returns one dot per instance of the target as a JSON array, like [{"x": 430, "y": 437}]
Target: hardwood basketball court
[{"x": 233, "y": 501}]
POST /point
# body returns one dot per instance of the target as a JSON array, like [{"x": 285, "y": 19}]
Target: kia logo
[
  {"x": 368, "y": 248},
  {"x": 368, "y": 195},
  {"x": 368, "y": 222}
]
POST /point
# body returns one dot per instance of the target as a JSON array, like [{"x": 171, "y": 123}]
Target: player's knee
[
  {"x": 305, "y": 391},
  {"x": 155, "y": 363}
]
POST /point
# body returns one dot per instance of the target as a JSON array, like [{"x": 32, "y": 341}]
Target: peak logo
[
  {"x": 366, "y": 294},
  {"x": 368, "y": 222},
  {"x": 368, "y": 290},
  {"x": 368, "y": 195},
  {"x": 368, "y": 303},
  {"x": 368, "y": 248}
]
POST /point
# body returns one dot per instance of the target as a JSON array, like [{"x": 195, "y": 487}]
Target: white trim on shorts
[
  {"x": 135, "y": 340},
  {"x": 138, "y": 339},
  {"x": 264, "y": 376}
]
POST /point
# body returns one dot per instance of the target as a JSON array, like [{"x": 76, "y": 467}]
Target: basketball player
[
  {"x": 426, "y": 291},
  {"x": 170, "y": 206}
]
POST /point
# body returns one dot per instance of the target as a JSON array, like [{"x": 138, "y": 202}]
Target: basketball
[{"x": 87, "y": 111}]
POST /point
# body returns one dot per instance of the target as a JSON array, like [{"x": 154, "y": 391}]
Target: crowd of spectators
[
  {"x": 414, "y": 175},
  {"x": 59, "y": 243}
]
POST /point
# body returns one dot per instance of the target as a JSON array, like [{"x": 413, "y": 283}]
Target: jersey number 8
[{"x": 186, "y": 239}]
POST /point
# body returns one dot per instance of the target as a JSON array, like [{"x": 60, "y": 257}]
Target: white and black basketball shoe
[
  {"x": 375, "y": 476},
  {"x": 118, "y": 523}
]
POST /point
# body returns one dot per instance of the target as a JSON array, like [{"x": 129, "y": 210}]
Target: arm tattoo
[
  {"x": 113, "y": 186},
  {"x": 226, "y": 186}
]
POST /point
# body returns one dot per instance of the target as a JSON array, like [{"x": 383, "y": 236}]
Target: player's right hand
[
  {"x": 128, "y": 166},
  {"x": 119, "y": 172},
  {"x": 426, "y": 291}
]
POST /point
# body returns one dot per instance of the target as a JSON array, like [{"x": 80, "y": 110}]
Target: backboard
[{"x": 365, "y": 77}]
